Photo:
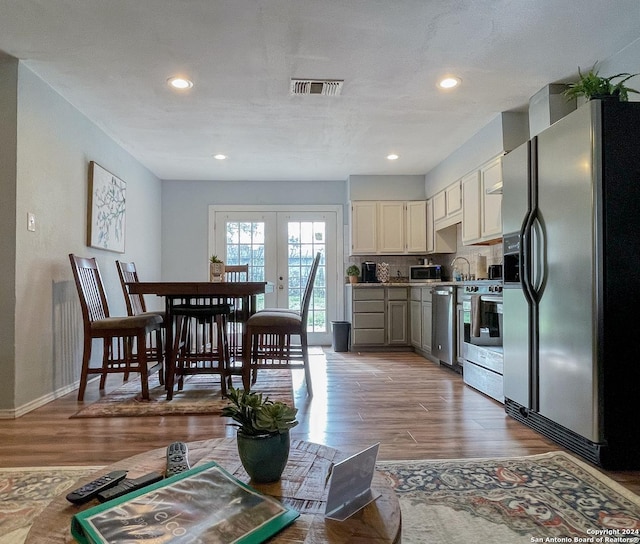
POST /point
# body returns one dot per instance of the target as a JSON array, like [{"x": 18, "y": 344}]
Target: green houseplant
[
  {"x": 353, "y": 272},
  {"x": 216, "y": 269},
  {"x": 592, "y": 85},
  {"x": 263, "y": 432}
]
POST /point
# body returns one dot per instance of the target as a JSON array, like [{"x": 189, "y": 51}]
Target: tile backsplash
[{"x": 399, "y": 264}]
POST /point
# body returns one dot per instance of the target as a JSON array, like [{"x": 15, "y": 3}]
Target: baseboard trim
[{"x": 37, "y": 403}]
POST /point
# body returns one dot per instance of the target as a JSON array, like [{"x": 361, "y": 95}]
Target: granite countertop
[{"x": 407, "y": 283}]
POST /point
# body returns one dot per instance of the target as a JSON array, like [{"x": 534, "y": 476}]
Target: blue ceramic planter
[{"x": 264, "y": 457}]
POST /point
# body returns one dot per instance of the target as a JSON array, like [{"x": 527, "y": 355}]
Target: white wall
[
  {"x": 363, "y": 187},
  {"x": 185, "y": 214},
  {"x": 504, "y": 133},
  {"x": 55, "y": 143},
  {"x": 8, "y": 101},
  {"x": 627, "y": 60}
]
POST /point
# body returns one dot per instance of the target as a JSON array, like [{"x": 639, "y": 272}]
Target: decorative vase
[
  {"x": 265, "y": 456},
  {"x": 216, "y": 272},
  {"x": 383, "y": 272}
]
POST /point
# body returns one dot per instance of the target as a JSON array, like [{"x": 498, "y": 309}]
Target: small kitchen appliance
[
  {"x": 495, "y": 271},
  {"x": 425, "y": 273},
  {"x": 369, "y": 269}
]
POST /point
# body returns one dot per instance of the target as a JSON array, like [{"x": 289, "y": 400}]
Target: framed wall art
[{"x": 107, "y": 209}]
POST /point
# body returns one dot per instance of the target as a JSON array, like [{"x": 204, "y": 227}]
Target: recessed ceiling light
[
  {"x": 180, "y": 83},
  {"x": 449, "y": 82},
  {"x": 393, "y": 157},
  {"x": 220, "y": 157}
]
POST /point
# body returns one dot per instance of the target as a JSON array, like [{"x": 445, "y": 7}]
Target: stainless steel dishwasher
[{"x": 443, "y": 341}]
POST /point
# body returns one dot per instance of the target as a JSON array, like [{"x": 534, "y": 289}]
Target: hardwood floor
[{"x": 415, "y": 409}]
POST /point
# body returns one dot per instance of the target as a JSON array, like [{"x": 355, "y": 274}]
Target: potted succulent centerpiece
[
  {"x": 353, "y": 272},
  {"x": 592, "y": 85},
  {"x": 216, "y": 269},
  {"x": 263, "y": 432}
]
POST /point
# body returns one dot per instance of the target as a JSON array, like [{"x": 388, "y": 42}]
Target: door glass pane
[
  {"x": 305, "y": 239},
  {"x": 245, "y": 245}
]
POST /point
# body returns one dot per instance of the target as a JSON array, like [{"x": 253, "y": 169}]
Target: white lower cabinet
[
  {"x": 379, "y": 316},
  {"x": 427, "y": 319},
  {"x": 397, "y": 317},
  {"x": 420, "y": 326},
  {"x": 415, "y": 317}
]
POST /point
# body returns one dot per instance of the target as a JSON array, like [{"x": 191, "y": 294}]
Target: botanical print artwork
[{"x": 107, "y": 209}]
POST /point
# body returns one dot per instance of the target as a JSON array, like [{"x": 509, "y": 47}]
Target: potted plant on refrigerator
[
  {"x": 353, "y": 272},
  {"x": 263, "y": 433},
  {"x": 592, "y": 85}
]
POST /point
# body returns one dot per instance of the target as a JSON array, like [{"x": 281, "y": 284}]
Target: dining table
[{"x": 198, "y": 293}]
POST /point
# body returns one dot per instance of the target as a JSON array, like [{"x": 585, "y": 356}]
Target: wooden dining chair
[
  {"x": 239, "y": 314},
  {"x": 236, "y": 272},
  {"x": 269, "y": 333},
  {"x": 136, "y": 305},
  {"x": 201, "y": 327},
  {"x": 203, "y": 331},
  {"x": 124, "y": 339}
]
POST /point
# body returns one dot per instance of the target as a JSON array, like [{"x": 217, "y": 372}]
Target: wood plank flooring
[{"x": 414, "y": 408}]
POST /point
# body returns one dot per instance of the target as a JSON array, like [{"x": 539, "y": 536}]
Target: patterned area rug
[
  {"x": 200, "y": 395},
  {"x": 543, "y": 498},
  {"x": 25, "y": 492}
]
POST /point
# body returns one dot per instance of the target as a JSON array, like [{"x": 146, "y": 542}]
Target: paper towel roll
[{"x": 481, "y": 267}]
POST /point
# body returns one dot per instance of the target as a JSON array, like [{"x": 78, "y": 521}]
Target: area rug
[
  {"x": 26, "y": 492},
  {"x": 201, "y": 395},
  {"x": 551, "y": 497}
]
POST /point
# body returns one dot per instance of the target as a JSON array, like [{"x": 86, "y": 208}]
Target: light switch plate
[{"x": 31, "y": 221}]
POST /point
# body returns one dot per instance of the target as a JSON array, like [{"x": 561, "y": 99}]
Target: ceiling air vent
[{"x": 327, "y": 87}]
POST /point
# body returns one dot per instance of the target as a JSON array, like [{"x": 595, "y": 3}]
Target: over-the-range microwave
[{"x": 425, "y": 272}]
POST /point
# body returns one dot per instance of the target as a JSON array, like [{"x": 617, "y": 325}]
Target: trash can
[{"x": 341, "y": 330}]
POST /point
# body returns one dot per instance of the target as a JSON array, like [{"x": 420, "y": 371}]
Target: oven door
[{"x": 483, "y": 320}]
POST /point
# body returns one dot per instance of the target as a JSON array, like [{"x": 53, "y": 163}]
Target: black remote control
[
  {"x": 177, "y": 460},
  {"x": 128, "y": 485},
  {"x": 89, "y": 491}
]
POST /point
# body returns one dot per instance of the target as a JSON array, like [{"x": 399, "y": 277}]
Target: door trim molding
[{"x": 316, "y": 208}]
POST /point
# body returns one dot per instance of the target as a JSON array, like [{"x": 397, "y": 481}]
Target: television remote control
[
  {"x": 128, "y": 485},
  {"x": 177, "y": 460},
  {"x": 89, "y": 491}
]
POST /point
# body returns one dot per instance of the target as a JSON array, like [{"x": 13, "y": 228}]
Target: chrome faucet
[{"x": 468, "y": 276}]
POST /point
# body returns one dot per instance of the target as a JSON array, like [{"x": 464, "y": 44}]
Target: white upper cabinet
[
  {"x": 388, "y": 227},
  {"x": 491, "y": 217},
  {"x": 430, "y": 229},
  {"x": 391, "y": 227},
  {"x": 447, "y": 206},
  {"x": 416, "y": 225},
  {"x": 482, "y": 212},
  {"x": 471, "y": 207},
  {"x": 363, "y": 227}
]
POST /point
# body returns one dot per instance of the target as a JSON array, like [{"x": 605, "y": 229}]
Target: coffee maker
[{"x": 369, "y": 272}]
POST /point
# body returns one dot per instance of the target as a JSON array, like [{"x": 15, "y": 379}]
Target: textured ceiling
[{"x": 111, "y": 60}]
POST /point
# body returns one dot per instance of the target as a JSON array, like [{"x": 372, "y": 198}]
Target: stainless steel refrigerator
[{"x": 571, "y": 218}]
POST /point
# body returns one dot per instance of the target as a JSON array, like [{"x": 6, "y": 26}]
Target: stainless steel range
[{"x": 482, "y": 348}]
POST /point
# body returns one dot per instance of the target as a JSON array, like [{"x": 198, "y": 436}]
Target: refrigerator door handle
[
  {"x": 538, "y": 258},
  {"x": 525, "y": 258}
]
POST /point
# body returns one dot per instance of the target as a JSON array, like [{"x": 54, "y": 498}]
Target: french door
[{"x": 279, "y": 245}]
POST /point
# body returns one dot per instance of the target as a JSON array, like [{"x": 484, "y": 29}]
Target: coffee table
[{"x": 303, "y": 486}]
